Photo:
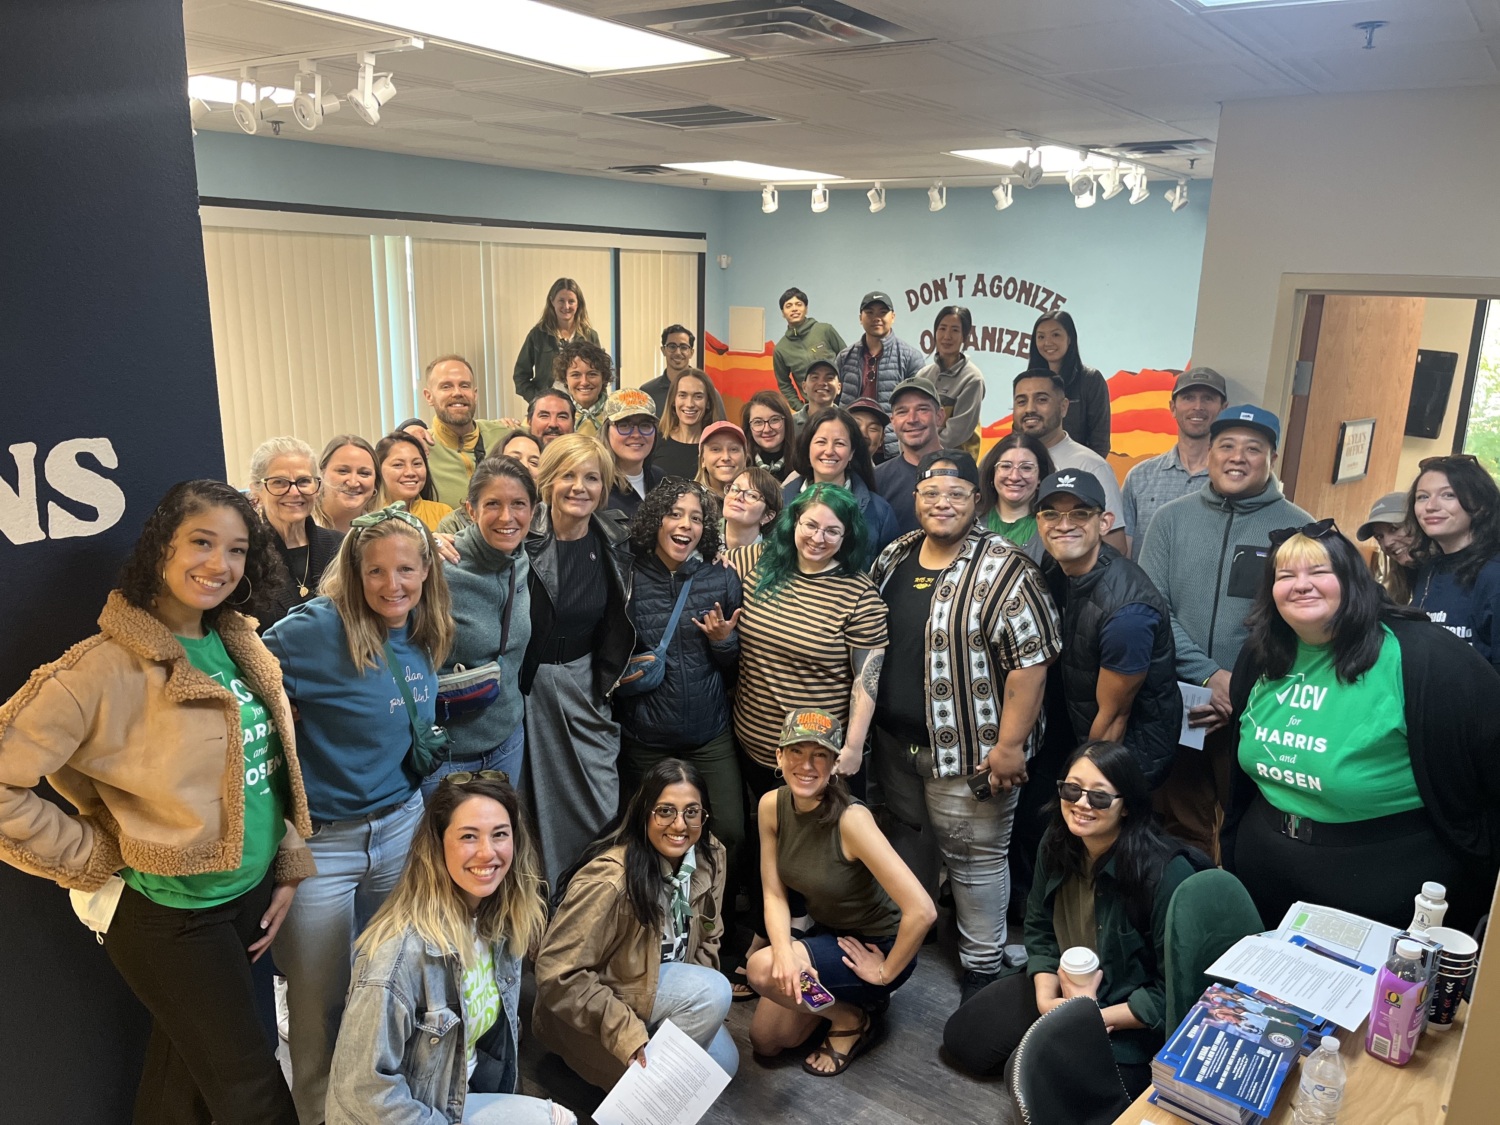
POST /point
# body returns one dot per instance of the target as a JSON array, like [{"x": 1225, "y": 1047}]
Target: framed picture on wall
[{"x": 1351, "y": 461}]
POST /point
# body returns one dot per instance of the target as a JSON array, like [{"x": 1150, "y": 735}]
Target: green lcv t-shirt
[
  {"x": 1330, "y": 751},
  {"x": 266, "y": 795}
]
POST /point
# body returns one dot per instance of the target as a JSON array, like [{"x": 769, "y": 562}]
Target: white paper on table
[
  {"x": 1363, "y": 939},
  {"x": 1192, "y": 696},
  {"x": 1300, "y": 977},
  {"x": 676, "y": 1086}
]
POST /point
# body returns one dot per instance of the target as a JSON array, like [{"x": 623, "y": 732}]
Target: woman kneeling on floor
[
  {"x": 635, "y": 940},
  {"x": 870, "y": 913},
  {"x": 1104, "y": 875}
]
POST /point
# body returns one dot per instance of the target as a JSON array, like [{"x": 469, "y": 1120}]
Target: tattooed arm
[{"x": 867, "y": 664}]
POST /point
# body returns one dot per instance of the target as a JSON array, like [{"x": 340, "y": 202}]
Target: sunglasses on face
[
  {"x": 1070, "y": 791},
  {"x": 1323, "y": 529}
]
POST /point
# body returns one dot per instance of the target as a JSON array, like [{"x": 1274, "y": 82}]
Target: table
[{"x": 1375, "y": 1093}]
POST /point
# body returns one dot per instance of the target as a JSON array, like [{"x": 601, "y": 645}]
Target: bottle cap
[
  {"x": 1434, "y": 890},
  {"x": 1410, "y": 950},
  {"x": 1331, "y": 1043}
]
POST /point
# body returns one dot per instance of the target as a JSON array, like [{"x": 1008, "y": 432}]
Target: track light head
[
  {"x": 309, "y": 103},
  {"x": 371, "y": 91},
  {"x": 937, "y": 196},
  {"x": 819, "y": 199},
  {"x": 1028, "y": 171},
  {"x": 1135, "y": 180},
  {"x": 769, "y": 200},
  {"x": 1111, "y": 182},
  {"x": 1003, "y": 194},
  {"x": 1084, "y": 187},
  {"x": 1177, "y": 197},
  {"x": 244, "y": 108},
  {"x": 876, "y": 196}
]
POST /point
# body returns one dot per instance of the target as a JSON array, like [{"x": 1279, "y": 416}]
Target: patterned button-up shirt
[{"x": 1150, "y": 484}]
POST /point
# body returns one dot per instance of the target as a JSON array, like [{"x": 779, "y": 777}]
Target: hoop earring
[
  {"x": 248, "y": 592},
  {"x": 777, "y": 773}
]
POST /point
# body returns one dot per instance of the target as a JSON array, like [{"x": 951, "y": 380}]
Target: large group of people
[{"x": 606, "y": 689}]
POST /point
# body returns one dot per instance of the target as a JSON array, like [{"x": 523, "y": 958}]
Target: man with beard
[
  {"x": 1040, "y": 406},
  {"x": 456, "y": 441},
  {"x": 958, "y": 716},
  {"x": 549, "y": 416},
  {"x": 1197, "y": 397},
  {"x": 917, "y": 419}
]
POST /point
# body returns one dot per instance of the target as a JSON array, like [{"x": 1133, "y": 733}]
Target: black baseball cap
[
  {"x": 963, "y": 466},
  {"x": 820, "y": 363},
  {"x": 919, "y": 383},
  {"x": 1075, "y": 482},
  {"x": 876, "y": 296}
]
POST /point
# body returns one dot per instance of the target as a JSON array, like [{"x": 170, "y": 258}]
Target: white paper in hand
[
  {"x": 676, "y": 1086},
  {"x": 1192, "y": 696}
]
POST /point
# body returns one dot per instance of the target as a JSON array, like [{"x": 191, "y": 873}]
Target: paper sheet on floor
[
  {"x": 1300, "y": 977},
  {"x": 676, "y": 1086}
]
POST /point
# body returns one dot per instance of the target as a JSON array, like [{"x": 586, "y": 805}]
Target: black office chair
[{"x": 1063, "y": 1072}]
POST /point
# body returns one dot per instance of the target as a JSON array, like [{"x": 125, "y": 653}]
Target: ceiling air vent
[
  {"x": 644, "y": 169},
  {"x": 767, "y": 28},
  {"x": 694, "y": 117},
  {"x": 1158, "y": 148}
]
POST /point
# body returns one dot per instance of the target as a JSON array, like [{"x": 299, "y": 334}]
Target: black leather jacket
[{"x": 616, "y": 637}]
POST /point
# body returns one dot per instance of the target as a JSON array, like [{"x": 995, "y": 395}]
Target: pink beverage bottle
[{"x": 1400, "y": 1001}]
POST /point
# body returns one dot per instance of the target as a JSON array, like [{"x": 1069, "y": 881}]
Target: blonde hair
[
  {"x": 569, "y": 453},
  {"x": 1299, "y": 550},
  {"x": 339, "y": 441},
  {"x": 427, "y": 900},
  {"x": 431, "y": 622}
]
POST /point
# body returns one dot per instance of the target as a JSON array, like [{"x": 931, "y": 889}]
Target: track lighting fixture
[
  {"x": 247, "y": 110},
  {"x": 1111, "y": 182},
  {"x": 876, "y": 196},
  {"x": 1002, "y": 194},
  {"x": 1135, "y": 180},
  {"x": 371, "y": 91},
  {"x": 1028, "y": 171},
  {"x": 937, "y": 196},
  {"x": 1084, "y": 187},
  {"x": 1178, "y": 196},
  {"x": 309, "y": 103},
  {"x": 769, "y": 200},
  {"x": 819, "y": 199}
]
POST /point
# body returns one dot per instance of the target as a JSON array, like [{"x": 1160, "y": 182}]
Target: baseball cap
[
  {"x": 873, "y": 296},
  {"x": 1200, "y": 377},
  {"x": 812, "y": 724},
  {"x": 828, "y": 363},
  {"x": 1255, "y": 417},
  {"x": 629, "y": 403},
  {"x": 1390, "y": 508},
  {"x": 919, "y": 383},
  {"x": 963, "y": 466},
  {"x": 1075, "y": 482},
  {"x": 722, "y": 427},
  {"x": 870, "y": 406}
]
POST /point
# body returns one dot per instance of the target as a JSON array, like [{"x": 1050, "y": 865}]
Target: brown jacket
[
  {"x": 148, "y": 749},
  {"x": 597, "y": 970}
]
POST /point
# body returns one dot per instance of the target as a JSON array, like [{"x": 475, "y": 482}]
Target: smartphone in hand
[{"x": 814, "y": 995}]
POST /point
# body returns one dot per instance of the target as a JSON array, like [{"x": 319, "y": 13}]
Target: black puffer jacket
[{"x": 691, "y": 707}]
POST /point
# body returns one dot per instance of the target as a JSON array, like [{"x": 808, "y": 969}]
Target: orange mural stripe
[
  {"x": 1148, "y": 421},
  {"x": 1140, "y": 400}
]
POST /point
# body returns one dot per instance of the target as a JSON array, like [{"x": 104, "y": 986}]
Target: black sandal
[
  {"x": 841, "y": 1059},
  {"x": 739, "y": 984}
]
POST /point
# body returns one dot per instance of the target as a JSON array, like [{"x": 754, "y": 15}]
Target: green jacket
[
  {"x": 533, "y": 373},
  {"x": 795, "y": 352},
  {"x": 1134, "y": 963},
  {"x": 450, "y": 470}
]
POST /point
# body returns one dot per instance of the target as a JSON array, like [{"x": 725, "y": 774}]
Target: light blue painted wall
[{"x": 1129, "y": 274}]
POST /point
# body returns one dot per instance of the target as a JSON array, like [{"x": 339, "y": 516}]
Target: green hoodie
[
  {"x": 795, "y": 352},
  {"x": 1206, "y": 554}
]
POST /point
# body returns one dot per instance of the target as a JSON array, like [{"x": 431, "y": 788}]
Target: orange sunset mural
[{"x": 1141, "y": 421}]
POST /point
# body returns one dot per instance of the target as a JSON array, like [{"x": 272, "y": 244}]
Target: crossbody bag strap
[
  {"x": 666, "y": 637},
  {"x": 411, "y": 704},
  {"x": 510, "y": 604}
]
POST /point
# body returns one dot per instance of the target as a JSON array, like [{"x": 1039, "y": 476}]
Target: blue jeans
[
  {"x": 507, "y": 756},
  {"x": 359, "y": 862},
  {"x": 506, "y": 1109},
  {"x": 697, "y": 999}
]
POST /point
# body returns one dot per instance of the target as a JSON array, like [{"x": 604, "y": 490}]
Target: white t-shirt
[
  {"x": 637, "y": 482},
  {"x": 1069, "y": 454}
]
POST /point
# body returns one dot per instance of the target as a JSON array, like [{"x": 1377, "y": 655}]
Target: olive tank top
[{"x": 843, "y": 896}]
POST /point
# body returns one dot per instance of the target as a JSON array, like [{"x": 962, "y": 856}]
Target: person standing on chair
[
  {"x": 1054, "y": 349},
  {"x": 564, "y": 317},
  {"x": 873, "y": 365}
]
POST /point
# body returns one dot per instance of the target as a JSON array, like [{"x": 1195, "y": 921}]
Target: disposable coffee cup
[
  {"x": 1078, "y": 964},
  {"x": 1447, "y": 990},
  {"x": 1459, "y": 949}
]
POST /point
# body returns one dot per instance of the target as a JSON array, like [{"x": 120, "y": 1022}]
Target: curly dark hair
[
  {"x": 659, "y": 502},
  {"x": 581, "y": 347},
  {"x": 140, "y": 577}
]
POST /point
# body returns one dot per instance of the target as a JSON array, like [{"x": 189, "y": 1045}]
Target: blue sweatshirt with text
[{"x": 1471, "y": 614}]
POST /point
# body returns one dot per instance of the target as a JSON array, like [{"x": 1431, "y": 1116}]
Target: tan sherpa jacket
[{"x": 148, "y": 749}]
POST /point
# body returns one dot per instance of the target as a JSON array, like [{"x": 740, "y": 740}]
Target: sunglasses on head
[
  {"x": 1070, "y": 791},
  {"x": 463, "y": 777},
  {"x": 1445, "y": 461},
  {"x": 1323, "y": 529}
]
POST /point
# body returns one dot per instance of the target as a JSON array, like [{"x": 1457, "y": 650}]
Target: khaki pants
[{"x": 1191, "y": 800}]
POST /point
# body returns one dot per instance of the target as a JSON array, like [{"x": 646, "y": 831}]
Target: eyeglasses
[
  {"x": 952, "y": 495},
  {"x": 1070, "y": 791},
  {"x": 630, "y": 429},
  {"x": 463, "y": 777},
  {"x": 1320, "y": 530},
  {"x": 677, "y": 347},
  {"x": 1077, "y": 517},
  {"x": 1025, "y": 468},
  {"x": 666, "y": 815},
  {"x": 750, "y": 494},
  {"x": 280, "y": 486},
  {"x": 813, "y": 531},
  {"x": 773, "y": 423}
]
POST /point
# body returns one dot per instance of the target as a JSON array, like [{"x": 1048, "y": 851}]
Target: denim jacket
[{"x": 400, "y": 1058}]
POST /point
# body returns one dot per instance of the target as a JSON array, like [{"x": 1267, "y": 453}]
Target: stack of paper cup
[
  {"x": 1456, "y": 962},
  {"x": 1079, "y": 964}
]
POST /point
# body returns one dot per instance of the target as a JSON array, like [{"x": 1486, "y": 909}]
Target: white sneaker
[{"x": 283, "y": 1015}]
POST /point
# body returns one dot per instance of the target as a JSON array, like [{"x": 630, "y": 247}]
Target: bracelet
[{"x": 882, "y": 974}]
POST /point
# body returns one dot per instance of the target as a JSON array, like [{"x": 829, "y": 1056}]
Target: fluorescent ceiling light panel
[
  {"x": 748, "y": 170},
  {"x": 1220, "y": 5},
  {"x": 1055, "y": 158},
  {"x": 523, "y": 29},
  {"x": 224, "y": 91}
]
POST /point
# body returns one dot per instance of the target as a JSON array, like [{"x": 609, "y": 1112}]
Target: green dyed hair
[{"x": 778, "y": 558}]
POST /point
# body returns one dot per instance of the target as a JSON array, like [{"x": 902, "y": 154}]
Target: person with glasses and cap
[
  {"x": 1204, "y": 553},
  {"x": 1197, "y": 397},
  {"x": 1365, "y": 762},
  {"x": 1388, "y": 526},
  {"x": 628, "y": 430},
  {"x": 1455, "y": 509},
  {"x": 804, "y": 341},
  {"x": 634, "y": 940},
  {"x": 360, "y": 666},
  {"x": 873, "y": 365},
  {"x": 944, "y": 725},
  {"x": 284, "y": 486}
]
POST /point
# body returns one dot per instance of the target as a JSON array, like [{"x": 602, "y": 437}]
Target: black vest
[{"x": 1086, "y": 603}]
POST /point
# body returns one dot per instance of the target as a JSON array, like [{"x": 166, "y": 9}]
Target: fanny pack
[
  {"x": 645, "y": 671},
  {"x": 467, "y": 691},
  {"x": 429, "y": 744}
]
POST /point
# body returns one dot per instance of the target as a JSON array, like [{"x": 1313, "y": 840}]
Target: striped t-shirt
[{"x": 795, "y": 650}]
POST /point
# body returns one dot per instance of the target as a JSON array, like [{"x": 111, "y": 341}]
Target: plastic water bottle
[
  {"x": 1431, "y": 905},
  {"x": 1321, "y": 1089}
]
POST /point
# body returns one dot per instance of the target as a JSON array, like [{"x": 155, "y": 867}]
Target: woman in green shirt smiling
[
  {"x": 1363, "y": 770},
  {"x": 1009, "y": 476}
]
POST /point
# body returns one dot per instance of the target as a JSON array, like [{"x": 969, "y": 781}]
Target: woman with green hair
[{"x": 812, "y": 634}]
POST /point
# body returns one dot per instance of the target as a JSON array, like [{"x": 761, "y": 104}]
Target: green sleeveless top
[{"x": 841, "y": 895}]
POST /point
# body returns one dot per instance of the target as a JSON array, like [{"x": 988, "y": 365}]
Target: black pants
[
  {"x": 207, "y": 1059},
  {"x": 983, "y": 1033}
]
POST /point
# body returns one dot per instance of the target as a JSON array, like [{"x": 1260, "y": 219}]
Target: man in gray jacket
[{"x": 1206, "y": 553}]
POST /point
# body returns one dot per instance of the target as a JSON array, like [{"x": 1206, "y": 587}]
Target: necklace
[{"x": 306, "y": 570}]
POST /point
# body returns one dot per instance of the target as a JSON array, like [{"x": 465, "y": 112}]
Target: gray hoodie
[{"x": 1206, "y": 554}]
